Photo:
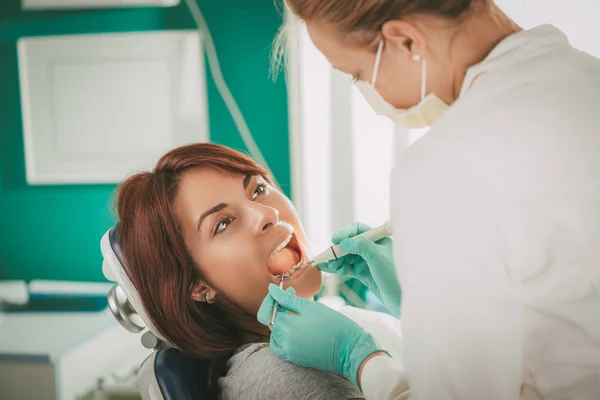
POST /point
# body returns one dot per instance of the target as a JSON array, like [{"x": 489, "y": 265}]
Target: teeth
[
  {"x": 293, "y": 269},
  {"x": 282, "y": 245},
  {"x": 296, "y": 266}
]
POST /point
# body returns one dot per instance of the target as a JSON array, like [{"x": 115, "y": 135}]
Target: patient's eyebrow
[
  {"x": 247, "y": 181},
  {"x": 210, "y": 211}
]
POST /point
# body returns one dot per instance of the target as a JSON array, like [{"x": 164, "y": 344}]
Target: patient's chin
[{"x": 309, "y": 284}]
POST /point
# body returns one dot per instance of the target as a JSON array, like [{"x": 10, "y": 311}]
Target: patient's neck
[
  {"x": 252, "y": 330},
  {"x": 257, "y": 337}
]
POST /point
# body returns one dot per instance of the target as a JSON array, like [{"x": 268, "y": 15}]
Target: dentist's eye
[
  {"x": 260, "y": 189},
  {"x": 222, "y": 224}
]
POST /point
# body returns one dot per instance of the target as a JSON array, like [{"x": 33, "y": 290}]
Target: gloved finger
[
  {"x": 385, "y": 240},
  {"x": 325, "y": 267},
  {"x": 276, "y": 345},
  {"x": 355, "y": 229},
  {"x": 288, "y": 300},
  {"x": 265, "y": 310},
  {"x": 285, "y": 321},
  {"x": 282, "y": 336},
  {"x": 348, "y": 259},
  {"x": 361, "y": 246},
  {"x": 342, "y": 267},
  {"x": 361, "y": 270},
  {"x": 266, "y": 307}
]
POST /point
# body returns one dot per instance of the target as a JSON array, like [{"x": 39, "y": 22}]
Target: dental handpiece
[
  {"x": 274, "y": 311},
  {"x": 334, "y": 252}
]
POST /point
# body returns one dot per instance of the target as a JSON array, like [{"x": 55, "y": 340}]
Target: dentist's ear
[
  {"x": 203, "y": 293},
  {"x": 407, "y": 37}
]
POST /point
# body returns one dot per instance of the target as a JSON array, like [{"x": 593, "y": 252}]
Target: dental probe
[
  {"x": 334, "y": 252},
  {"x": 274, "y": 312}
]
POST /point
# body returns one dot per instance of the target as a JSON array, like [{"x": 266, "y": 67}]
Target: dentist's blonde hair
[{"x": 361, "y": 21}]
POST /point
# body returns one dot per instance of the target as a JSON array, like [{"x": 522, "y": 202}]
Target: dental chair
[{"x": 167, "y": 373}]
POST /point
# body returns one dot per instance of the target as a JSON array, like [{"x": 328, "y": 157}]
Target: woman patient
[{"x": 203, "y": 235}]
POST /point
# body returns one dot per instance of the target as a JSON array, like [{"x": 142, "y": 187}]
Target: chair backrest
[{"x": 168, "y": 374}]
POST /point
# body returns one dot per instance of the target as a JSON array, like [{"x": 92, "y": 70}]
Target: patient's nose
[{"x": 264, "y": 218}]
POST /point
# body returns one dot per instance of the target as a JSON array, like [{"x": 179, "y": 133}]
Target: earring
[
  {"x": 416, "y": 57},
  {"x": 207, "y": 297}
]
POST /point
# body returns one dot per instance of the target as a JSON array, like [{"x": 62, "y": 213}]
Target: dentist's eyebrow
[{"x": 210, "y": 211}]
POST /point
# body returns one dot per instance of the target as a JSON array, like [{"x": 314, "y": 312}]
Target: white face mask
[{"x": 423, "y": 115}]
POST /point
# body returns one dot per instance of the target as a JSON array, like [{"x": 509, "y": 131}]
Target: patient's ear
[{"x": 203, "y": 293}]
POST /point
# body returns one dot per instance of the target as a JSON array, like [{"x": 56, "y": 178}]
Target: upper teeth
[{"x": 282, "y": 245}]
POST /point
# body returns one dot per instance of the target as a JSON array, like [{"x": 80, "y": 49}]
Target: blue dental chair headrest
[{"x": 167, "y": 373}]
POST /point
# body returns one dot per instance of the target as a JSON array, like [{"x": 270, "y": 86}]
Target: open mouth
[{"x": 286, "y": 257}]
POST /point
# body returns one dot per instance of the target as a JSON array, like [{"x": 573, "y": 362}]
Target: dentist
[{"x": 496, "y": 210}]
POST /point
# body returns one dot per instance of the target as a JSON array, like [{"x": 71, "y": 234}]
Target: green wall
[{"x": 53, "y": 232}]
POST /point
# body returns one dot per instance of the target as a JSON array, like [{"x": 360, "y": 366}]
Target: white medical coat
[{"x": 496, "y": 215}]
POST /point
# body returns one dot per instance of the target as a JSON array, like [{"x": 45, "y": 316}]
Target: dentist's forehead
[{"x": 341, "y": 54}]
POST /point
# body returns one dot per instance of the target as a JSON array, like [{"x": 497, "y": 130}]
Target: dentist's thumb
[{"x": 362, "y": 247}]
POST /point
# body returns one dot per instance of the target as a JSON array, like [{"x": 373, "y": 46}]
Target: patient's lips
[{"x": 285, "y": 256}]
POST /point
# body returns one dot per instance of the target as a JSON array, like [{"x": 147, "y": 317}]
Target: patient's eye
[
  {"x": 222, "y": 224},
  {"x": 261, "y": 188}
]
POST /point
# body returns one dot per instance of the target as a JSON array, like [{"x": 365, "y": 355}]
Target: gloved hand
[
  {"x": 369, "y": 262},
  {"x": 317, "y": 337}
]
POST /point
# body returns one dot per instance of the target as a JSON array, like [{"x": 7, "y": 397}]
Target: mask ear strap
[
  {"x": 377, "y": 60},
  {"x": 423, "y": 78}
]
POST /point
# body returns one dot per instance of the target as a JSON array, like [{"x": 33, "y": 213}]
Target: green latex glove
[
  {"x": 317, "y": 336},
  {"x": 370, "y": 262}
]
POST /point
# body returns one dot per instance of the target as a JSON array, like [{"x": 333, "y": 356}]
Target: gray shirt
[{"x": 255, "y": 372}]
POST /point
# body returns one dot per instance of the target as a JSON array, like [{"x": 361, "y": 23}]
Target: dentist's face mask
[{"x": 423, "y": 115}]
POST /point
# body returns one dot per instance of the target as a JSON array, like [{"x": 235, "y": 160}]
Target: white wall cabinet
[
  {"x": 97, "y": 107},
  {"x": 55, "y": 4}
]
